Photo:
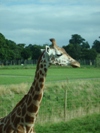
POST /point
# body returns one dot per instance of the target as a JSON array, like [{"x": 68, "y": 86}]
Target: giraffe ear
[
  {"x": 47, "y": 49},
  {"x": 42, "y": 50}
]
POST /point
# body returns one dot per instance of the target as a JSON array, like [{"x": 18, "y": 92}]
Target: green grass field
[
  {"x": 16, "y": 76},
  {"x": 82, "y": 87},
  {"x": 88, "y": 124}
]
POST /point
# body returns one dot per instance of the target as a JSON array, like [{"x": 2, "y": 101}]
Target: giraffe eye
[{"x": 59, "y": 55}]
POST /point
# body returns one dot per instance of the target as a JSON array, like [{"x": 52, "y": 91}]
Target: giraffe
[{"x": 22, "y": 118}]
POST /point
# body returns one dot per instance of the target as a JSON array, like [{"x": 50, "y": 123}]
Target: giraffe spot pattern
[
  {"x": 37, "y": 87},
  {"x": 41, "y": 80},
  {"x": 24, "y": 109},
  {"x": 41, "y": 66},
  {"x": 29, "y": 119},
  {"x": 38, "y": 97},
  {"x": 32, "y": 108},
  {"x": 45, "y": 69}
]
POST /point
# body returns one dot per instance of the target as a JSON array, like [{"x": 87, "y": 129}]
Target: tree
[
  {"x": 35, "y": 51},
  {"x": 96, "y": 45},
  {"x": 76, "y": 39},
  {"x": 11, "y": 49},
  {"x": 74, "y": 46},
  {"x": 19, "y": 49},
  {"x": 3, "y": 48},
  {"x": 84, "y": 49},
  {"x": 85, "y": 45},
  {"x": 25, "y": 53},
  {"x": 2, "y": 40},
  {"x": 89, "y": 54},
  {"x": 73, "y": 50}
]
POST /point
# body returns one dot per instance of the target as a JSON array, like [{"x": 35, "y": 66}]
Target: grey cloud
[{"x": 36, "y": 22}]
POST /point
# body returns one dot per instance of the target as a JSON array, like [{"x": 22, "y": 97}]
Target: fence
[
  {"x": 30, "y": 62},
  {"x": 59, "y": 103},
  {"x": 67, "y": 108},
  {"x": 18, "y": 62}
]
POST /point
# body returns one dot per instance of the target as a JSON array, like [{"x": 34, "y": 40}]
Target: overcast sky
[{"x": 35, "y": 21}]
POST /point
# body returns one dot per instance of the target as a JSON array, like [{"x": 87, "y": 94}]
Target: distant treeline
[{"x": 78, "y": 48}]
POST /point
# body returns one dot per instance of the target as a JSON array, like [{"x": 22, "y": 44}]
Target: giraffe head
[{"x": 59, "y": 56}]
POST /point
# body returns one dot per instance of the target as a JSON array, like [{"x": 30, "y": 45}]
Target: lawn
[
  {"x": 16, "y": 76},
  {"x": 81, "y": 87}
]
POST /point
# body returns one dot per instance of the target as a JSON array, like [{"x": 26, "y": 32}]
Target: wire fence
[
  {"x": 62, "y": 106},
  {"x": 32, "y": 62},
  {"x": 66, "y": 108}
]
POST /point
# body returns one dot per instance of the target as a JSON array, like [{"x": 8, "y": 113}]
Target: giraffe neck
[
  {"x": 23, "y": 116},
  {"x": 37, "y": 88},
  {"x": 35, "y": 93}
]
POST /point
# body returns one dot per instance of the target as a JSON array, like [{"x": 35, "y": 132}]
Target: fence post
[{"x": 65, "y": 103}]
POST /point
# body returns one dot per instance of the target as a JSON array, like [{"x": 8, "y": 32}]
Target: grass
[
  {"x": 88, "y": 124},
  {"x": 82, "y": 98},
  {"x": 16, "y": 76}
]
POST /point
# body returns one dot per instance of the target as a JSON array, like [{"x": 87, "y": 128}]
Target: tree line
[{"x": 78, "y": 48}]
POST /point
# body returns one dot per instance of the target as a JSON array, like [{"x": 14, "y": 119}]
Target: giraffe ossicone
[{"x": 22, "y": 118}]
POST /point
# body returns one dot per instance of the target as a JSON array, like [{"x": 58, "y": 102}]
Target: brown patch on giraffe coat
[
  {"x": 29, "y": 119},
  {"x": 32, "y": 90},
  {"x": 44, "y": 61},
  {"x": 24, "y": 109},
  {"x": 32, "y": 108},
  {"x": 45, "y": 69},
  {"x": 29, "y": 100},
  {"x": 38, "y": 97},
  {"x": 41, "y": 73},
  {"x": 7, "y": 127},
  {"x": 17, "y": 120},
  {"x": 37, "y": 87},
  {"x": 28, "y": 129},
  {"x": 22, "y": 119},
  {"x": 41, "y": 85},
  {"x": 41, "y": 66},
  {"x": 41, "y": 80},
  {"x": 18, "y": 111},
  {"x": 13, "y": 118},
  {"x": 0, "y": 129},
  {"x": 20, "y": 129}
]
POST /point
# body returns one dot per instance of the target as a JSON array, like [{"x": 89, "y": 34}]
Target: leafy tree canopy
[
  {"x": 96, "y": 45},
  {"x": 76, "y": 39},
  {"x": 78, "y": 48}
]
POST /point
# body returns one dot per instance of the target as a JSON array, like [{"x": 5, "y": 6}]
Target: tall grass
[
  {"x": 87, "y": 124},
  {"x": 83, "y": 97}
]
